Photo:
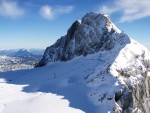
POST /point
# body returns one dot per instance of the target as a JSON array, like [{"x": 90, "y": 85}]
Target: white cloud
[
  {"x": 131, "y": 9},
  {"x": 46, "y": 12},
  {"x": 50, "y": 13},
  {"x": 10, "y": 9}
]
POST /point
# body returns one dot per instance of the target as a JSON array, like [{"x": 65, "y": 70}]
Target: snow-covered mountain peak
[
  {"x": 24, "y": 50},
  {"x": 23, "y": 53},
  {"x": 100, "y": 21},
  {"x": 95, "y": 32},
  {"x": 106, "y": 72}
]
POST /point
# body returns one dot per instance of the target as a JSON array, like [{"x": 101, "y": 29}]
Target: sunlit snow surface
[
  {"x": 61, "y": 86},
  {"x": 82, "y": 85}
]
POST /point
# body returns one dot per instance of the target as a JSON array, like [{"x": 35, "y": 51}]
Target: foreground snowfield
[
  {"x": 54, "y": 88},
  {"x": 19, "y": 102}
]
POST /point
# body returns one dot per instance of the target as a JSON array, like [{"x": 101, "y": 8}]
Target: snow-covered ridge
[
  {"x": 94, "y": 32},
  {"x": 106, "y": 72},
  {"x": 24, "y": 53},
  {"x": 108, "y": 82},
  {"x": 122, "y": 57}
]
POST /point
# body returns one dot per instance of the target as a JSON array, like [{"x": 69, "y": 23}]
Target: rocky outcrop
[
  {"x": 93, "y": 33},
  {"x": 133, "y": 72},
  {"x": 134, "y": 99},
  {"x": 120, "y": 56}
]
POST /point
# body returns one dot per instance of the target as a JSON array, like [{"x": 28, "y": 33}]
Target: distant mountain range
[
  {"x": 12, "y": 52},
  {"x": 24, "y": 53},
  {"x": 28, "y": 55},
  {"x": 17, "y": 59}
]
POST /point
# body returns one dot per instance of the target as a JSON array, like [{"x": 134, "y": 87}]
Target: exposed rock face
[
  {"x": 93, "y": 33},
  {"x": 122, "y": 57},
  {"x": 131, "y": 68},
  {"x": 136, "y": 99}
]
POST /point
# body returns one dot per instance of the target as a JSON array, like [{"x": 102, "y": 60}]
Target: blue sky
[{"x": 39, "y": 23}]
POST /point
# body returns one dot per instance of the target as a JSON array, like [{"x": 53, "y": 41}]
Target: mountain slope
[
  {"x": 27, "y": 55},
  {"x": 104, "y": 71},
  {"x": 68, "y": 82},
  {"x": 24, "y": 53},
  {"x": 93, "y": 33}
]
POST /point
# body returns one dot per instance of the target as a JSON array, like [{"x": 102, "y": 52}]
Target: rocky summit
[
  {"x": 93, "y": 33},
  {"x": 94, "y": 68},
  {"x": 123, "y": 58}
]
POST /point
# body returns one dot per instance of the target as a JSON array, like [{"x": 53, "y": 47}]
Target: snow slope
[
  {"x": 67, "y": 87},
  {"x": 82, "y": 85}
]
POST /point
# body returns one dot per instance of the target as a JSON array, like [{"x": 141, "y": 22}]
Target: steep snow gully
[{"x": 95, "y": 68}]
